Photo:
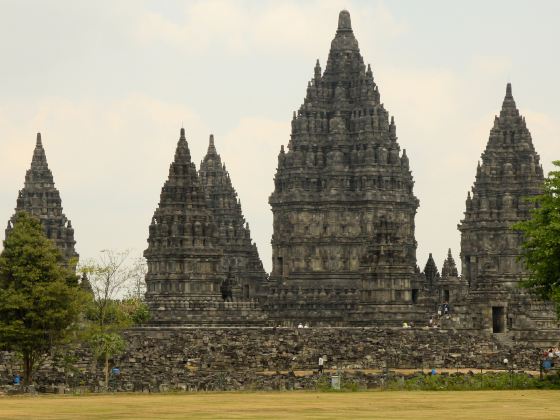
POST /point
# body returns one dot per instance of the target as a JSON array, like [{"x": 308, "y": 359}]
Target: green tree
[
  {"x": 112, "y": 277},
  {"x": 541, "y": 246},
  {"x": 105, "y": 344},
  {"x": 40, "y": 300}
]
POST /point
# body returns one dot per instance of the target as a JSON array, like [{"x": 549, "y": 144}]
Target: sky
[{"x": 109, "y": 83}]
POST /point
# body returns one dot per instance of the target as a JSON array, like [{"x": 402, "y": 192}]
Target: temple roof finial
[
  {"x": 211, "y": 146},
  {"x": 39, "y": 159},
  {"x": 508, "y": 106},
  {"x": 344, "y": 22},
  {"x": 183, "y": 134},
  {"x": 317, "y": 70},
  {"x": 508, "y": 91}
]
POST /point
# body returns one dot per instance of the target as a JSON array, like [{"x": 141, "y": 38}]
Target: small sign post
[{"x": 335, "y": 382}]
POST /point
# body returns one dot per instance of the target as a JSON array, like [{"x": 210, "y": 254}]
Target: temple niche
[
  {"x": 343, "y": 204},
  {"x": 40, "y": 198}
]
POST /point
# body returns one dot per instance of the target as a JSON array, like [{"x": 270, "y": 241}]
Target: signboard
[{"x": 335, "y": 382}]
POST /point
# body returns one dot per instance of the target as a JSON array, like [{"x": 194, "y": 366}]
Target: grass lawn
[{"x": 481, "y": 405}]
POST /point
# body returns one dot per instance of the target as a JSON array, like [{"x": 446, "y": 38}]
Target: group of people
[
  {"x": 551, "y": 353},
  {"x": 300, "y": 325},
  {"x": 443, "y": 309},
  {"x": 549, "y": 357}
]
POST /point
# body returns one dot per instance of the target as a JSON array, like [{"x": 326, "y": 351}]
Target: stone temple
[
  {"x": 509, "y": 174},
  {"x": 343, "y": 245},
  {"x": 343, "y": 207},
  {"x": 202, "y": 265},
  {"x": 40, "y": 197},
  {"x": 234, "y": 237}
]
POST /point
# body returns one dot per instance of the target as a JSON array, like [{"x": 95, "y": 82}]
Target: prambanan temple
[
  {"x": 343, "y": 244},
  {"x": 40, "y": 197}
]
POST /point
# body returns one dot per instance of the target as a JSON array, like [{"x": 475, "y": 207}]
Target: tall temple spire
[
  {"x": 233, "y": 232},
  {"x": 491, "y": 251},
  {"x": 342, "y": 170},
  {"x": 449, "y": 268},
  {"x": 184, "y": 259},
  {"x": 430, "y": 271},
  {"x": 509, "y": 172},
  {"x": 40, "y": 197}
]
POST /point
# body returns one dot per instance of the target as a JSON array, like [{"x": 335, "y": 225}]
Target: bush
[{"x": 472, "y": 382}]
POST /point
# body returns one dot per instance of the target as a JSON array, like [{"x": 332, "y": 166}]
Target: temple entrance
[{"x": 498, "y": 319}]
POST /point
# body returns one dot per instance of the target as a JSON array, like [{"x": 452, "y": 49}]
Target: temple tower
[
  {"x": 431, "y": 272},
  {"x": 240, "y": 252},
  {"x": 189, "y": 282},
  {"x": 343, "y": 205},
  {"x": 185, "y": 271},
  {"x": 509, "y": 174},
  {"x": 450, "y": 288},
  {"x": 449, "y": 268},
  {"x": 40, "y": 197}
]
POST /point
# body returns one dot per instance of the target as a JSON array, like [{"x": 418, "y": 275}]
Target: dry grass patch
[{"x": 531, "y": 404}]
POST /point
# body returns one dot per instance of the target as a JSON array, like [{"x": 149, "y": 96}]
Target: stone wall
[{"x": 264, "y": 358}]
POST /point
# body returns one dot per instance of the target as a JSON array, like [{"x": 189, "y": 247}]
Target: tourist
[
  {"x": 439, "y": 311},
  {"x": 321, "y": 362},
  {"x": 300, "y": 325},
  {"x": 431, "y": 322},
  {"x": 306, "y": 325},
  {"x": 446, "y": 308}
]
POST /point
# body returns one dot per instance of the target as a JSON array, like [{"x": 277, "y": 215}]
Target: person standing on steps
[{"x": 321, "y": 363}]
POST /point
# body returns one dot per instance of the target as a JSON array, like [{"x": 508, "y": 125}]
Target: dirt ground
[{"x": 296, "y": 404}]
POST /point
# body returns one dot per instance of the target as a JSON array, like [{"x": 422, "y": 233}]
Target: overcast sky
[{"x": 109, "y": 84}]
